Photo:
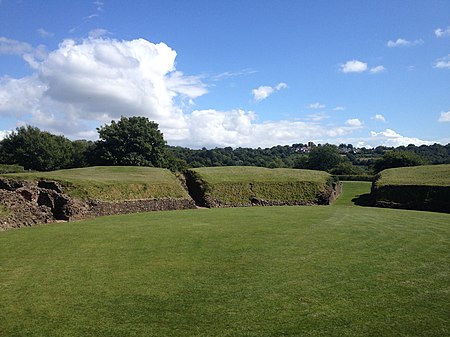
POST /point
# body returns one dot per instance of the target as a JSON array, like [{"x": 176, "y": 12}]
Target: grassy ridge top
[
  {"x": 431, "y": 175},
  {"x": 113, "y": 183},
  {"x": 241, "y": 185},
  {"x": 259, "y": 174}
]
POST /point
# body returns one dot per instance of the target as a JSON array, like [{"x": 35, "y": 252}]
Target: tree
[
  {"x": 133, "y": 141},
  {"x": 397, "y": 158},
  {"x": 324, "y": 157},
  {"x": 346, "y": 168},
  {"x": 36, "y": 150},
  {"x": 83, "y": 153}
]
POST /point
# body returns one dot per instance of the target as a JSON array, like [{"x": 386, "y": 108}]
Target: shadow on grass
[{"x": 363, "y": 200}]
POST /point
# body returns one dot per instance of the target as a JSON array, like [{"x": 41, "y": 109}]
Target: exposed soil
[{"x": 38, "y": 202}]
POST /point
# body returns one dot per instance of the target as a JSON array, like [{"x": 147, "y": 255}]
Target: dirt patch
[{"x": 38, "y": 202}]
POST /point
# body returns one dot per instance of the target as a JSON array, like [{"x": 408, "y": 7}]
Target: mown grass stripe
[{"x": 337, "y": 270}]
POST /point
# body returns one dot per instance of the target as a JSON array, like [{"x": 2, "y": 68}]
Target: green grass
[
  {"x": 431, "y": 175},
  {"x": 237, "y": 174},
  {"x": 112, "y": 183},
  {"x": 4, "y": 211},
  {"x": 240, "y": 184},
  {"x": 337, "y": 270}
]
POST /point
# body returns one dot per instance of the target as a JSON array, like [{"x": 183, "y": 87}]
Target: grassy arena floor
[{"x": 339, "y": 270}]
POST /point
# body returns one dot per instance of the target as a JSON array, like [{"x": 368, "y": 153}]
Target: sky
[{"x": 239, "y": 73}]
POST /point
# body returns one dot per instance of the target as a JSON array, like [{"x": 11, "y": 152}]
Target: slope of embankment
[
  {"x": 41, "y": 197},
  {"x": 247, "y": 186},
  {"x": 420, "y": 187}
]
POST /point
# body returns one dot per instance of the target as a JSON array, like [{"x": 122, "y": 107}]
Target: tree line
[{"x": 137, "y": 141}]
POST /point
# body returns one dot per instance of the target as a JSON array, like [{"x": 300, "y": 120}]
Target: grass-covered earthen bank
[
  {"x": 43, "y": 197},
  {"x": 420, "y": 187},
  {"x": 246, "y": 186}
]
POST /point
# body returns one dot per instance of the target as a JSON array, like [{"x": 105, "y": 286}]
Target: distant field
[
  {"x": 432, "y": 175},
  {"x": 240, "y": 184},
  {"x": 111, "y": 183},
  {"x": 339, "y": 270}
]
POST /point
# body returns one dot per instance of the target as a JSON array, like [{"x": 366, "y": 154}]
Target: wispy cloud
[
  {"x": 355, "y": 122},
  {"x": 377, "y": 70},
  {"x": 444, "y": 117},
  {"x": 404, "y": 43},
  {"x": 316, "y": 105},
  {"x": 230, "y": 74},
  {"x": 99, "y": 5},
  {"x": 317, "y": 117},
  {"x": 443, "y": 62},
  {"x": 339, "y": 108},
  {"x": 14, "y": 47},
  {"x": 265, "y": 91},
  {"x": 98, "y": 9},
  {"x": 442, "y": 32},
  {"x": 44, "y": 33},
  {"x": 379, "y": 117},
  {"x": 96, "y": 33}
]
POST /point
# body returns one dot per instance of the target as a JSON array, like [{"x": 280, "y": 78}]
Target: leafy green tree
[
  {"x": 324, "y": 157},
  {"x": 34, "y": 149},
  {"x": 397, "y": 158},
  {"x": 83, "y": 153},
  {"x": 346, "y": 168},
  {"x": 133, "y": 141}
]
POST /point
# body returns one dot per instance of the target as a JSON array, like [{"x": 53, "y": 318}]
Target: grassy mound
[
  {"x": 427, "y": 175},
  {"x": 340, "y": 270},
  {"x": 421, "y": 187},
  {"x": 240, "y": 186},
  {"x": 113, "y": 183}
]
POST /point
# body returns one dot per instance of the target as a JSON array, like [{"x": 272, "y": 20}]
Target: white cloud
[
  {"x": 265, "y": 91},
  {"x": 391, "y": 138},
  {"x": 212, "y": 128},
  {"x": 43, "y": 33},
  {"x": 443, "y": 62},
  {"x": 354, "y": 66},
  {"x": 316, "y": 105},
  {"x": 318, "y": 116},
  {"x": 99, "y": 32},
  {"x": 355, "y": 122},
  {"x": 403, "y": 43},
  {"x": 377, "y": 70},
  {"x": 280, "y": 86},
  {"x": 96, "y": 80},
  {"x": 14, "y": 47},
  {"x": 83, "y": 84},
  {"x": 444, "y": 117},
  {"x": 439, "y": 32},
  {"x": 379, "y": 117},
  {"x": 4, "y": 133},
  {"x": 339, "y": 108}
]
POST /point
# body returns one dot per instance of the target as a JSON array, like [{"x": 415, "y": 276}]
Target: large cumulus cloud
[
  {"x": 86, "y": 83},
  {"x": 99, "y": 79}
]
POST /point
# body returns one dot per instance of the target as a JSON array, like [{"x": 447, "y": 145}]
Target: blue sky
[{"x": 250, "y": 73}]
